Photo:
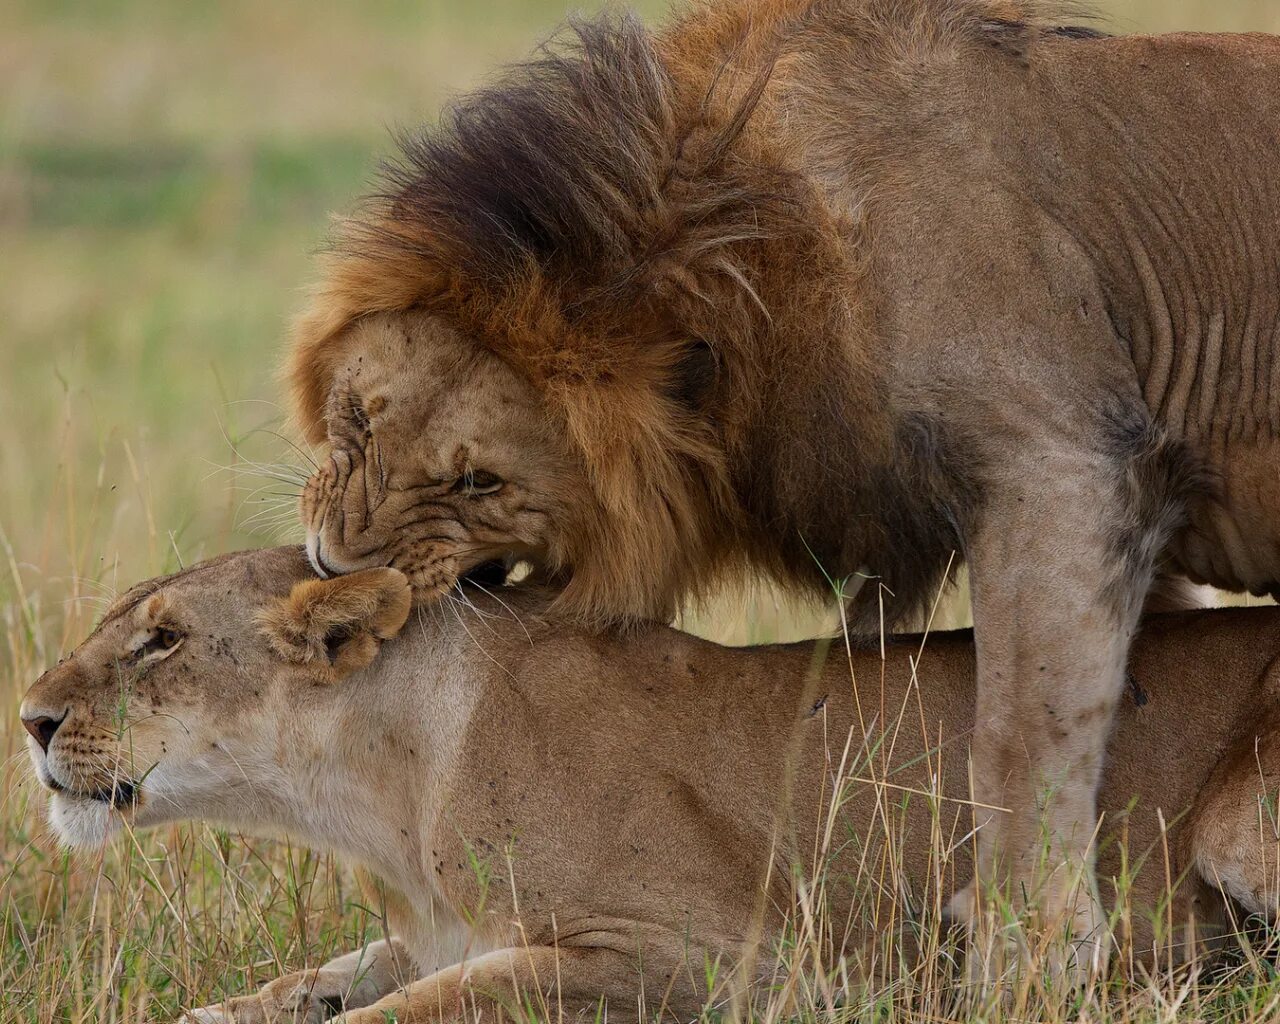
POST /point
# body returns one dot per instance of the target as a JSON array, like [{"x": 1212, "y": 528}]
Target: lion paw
[{"x": 1070, "y": 945}]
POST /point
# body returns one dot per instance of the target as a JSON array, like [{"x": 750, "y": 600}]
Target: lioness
[
  {"x": 614, "y": 815},
  {"x": 832, "y": 286}
]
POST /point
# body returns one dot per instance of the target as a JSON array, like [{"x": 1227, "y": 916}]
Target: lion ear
[{"x": 337, "y": 625}]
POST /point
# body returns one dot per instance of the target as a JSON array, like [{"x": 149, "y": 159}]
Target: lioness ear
[{"x": 337, "y": 625}]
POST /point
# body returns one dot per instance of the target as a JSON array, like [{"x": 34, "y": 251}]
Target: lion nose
[{"x": 42, "y": 728}]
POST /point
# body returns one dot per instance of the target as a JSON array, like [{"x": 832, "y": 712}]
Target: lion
[
  {"x": 831, "y": 291},
  {"x": 563, "y": 820}
]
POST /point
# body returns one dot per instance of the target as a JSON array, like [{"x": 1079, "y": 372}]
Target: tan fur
[{"x": 654, "y": 798}]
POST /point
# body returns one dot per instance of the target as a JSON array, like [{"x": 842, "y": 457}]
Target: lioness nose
[{"x": 43, "y": 728}]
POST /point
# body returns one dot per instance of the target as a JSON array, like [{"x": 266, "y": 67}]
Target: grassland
[{"x": 166, "y": 168}]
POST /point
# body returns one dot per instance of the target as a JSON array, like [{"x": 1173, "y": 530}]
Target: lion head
[
  {"x": 562, "y": 335},
  {"x": 442, "y": 458},
  {"x": 172, "y": 708}
]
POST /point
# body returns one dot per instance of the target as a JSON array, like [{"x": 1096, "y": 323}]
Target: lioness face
[
  {"x": 180, "y": 704},
  {"x": 164, "y": 697},
  {"x": 442, "y": 459}
]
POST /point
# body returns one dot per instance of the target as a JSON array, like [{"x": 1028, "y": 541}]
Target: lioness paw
[
  {"x": 302, "y": 998},
  {"x": 209, "y": 1015},
  {"x": 368, "y": 1015}
]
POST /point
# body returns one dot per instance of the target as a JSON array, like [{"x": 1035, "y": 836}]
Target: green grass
[{"x": 166, "y": 170}]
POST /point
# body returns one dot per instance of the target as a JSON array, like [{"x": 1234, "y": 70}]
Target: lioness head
[{"x": 172, "y": 707}]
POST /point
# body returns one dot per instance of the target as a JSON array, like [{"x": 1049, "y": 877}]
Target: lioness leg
[
  {"x": 552, "y": 983},
  {"x": 352, "y": 980},
  {"x": 1060, "y": 565},
  {"x": 1234, "y": 828}
]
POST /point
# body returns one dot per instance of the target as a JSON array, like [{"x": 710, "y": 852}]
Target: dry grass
[{"x": 165, "y": 169}]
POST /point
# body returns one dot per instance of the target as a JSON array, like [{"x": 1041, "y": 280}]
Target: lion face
[
  {"x": 442, "y": 459},
  {"x": 173, "y": 708}
]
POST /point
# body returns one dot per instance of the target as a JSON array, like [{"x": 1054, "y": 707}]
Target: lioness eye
[
  {"x": 163, "y": 639},
  {"x": 478, "y": 481}
]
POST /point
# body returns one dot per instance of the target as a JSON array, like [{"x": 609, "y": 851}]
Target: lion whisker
[
  {"x": 101, "y": 600},
  {"x": 510, "y": 610},
  {"x": 262, "y": 465},
  {"x": 265, "y": 490},
  {"x": 266, "y": 517},
  {"x": 306, "y": 454},
  {"x": 480, "y": 647},
  {"x": 110, "y": 592},
  {"x": 465, "y": 599},
  {"x": 272, "y": 510}
]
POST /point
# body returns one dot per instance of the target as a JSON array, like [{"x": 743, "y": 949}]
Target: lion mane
[{"x": 614, "y": 221}]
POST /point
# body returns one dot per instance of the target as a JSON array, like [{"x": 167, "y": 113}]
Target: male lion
[
  {"x": 817, "y": 287},
  {"x": 614, "y": 816}
]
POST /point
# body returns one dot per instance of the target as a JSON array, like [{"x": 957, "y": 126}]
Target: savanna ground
[{"x": 166, "y": 168}]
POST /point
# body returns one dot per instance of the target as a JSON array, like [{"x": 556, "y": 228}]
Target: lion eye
[{"x": 476, "y": 482}]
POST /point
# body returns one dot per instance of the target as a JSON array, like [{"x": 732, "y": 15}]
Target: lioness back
[{"x": 711, "y": 768}]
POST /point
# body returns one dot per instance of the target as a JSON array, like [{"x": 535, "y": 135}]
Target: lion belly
[
  {"x": 1161, "y": 154},
  {"x": 1234, "y": 542}
]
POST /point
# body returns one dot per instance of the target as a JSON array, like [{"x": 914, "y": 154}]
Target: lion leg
[
  {"x": 1060, "y": 565},
  {"x": 1235, "y": 828},
  {"x": 543, "y": 983},
  {"x": 353, "y": 980}
]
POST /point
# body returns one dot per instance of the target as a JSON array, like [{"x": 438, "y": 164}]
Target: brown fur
[
  {"x": 817, "y": 288},
  {"x": 605, "y": 350},
  {"x": 654, "y": 797},
  {"x": 644, "y": 208}
]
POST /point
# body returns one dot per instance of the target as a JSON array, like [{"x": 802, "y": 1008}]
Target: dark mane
[
  {"x": 624, "y": 221},
  {"x": 553, "y": 163},
  {"x": 584, "y": 169}
]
